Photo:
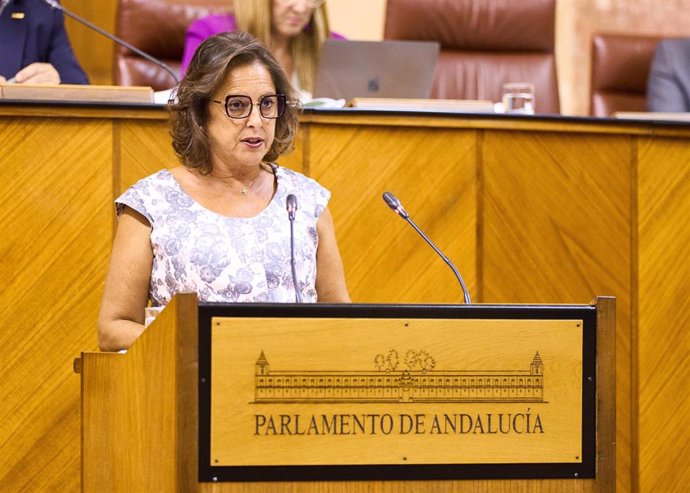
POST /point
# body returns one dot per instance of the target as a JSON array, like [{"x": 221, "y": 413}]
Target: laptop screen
[{"x": 376, "y": 69}]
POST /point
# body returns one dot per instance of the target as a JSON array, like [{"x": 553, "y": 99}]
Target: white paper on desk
[
  {"x": 166, "y": 96},
  {"x": 650, "y": 115},
  {"x": 324, "y": 103}
]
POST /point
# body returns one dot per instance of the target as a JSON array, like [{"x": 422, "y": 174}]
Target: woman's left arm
[{"x": 330, "y": 276}]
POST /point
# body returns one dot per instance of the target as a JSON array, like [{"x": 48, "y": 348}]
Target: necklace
[{"x": 245, "y": 188}]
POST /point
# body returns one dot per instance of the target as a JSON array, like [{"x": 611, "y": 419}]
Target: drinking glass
[{"x": 518, "y": 98}]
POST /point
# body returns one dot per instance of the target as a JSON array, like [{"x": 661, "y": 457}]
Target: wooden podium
[{"x": 339, "y": 398}]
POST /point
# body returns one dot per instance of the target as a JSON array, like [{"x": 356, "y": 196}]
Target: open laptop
[{"x": 376, "y": 69}]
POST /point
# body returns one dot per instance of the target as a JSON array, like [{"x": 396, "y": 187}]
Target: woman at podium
[{"x": 220, "y": 225}]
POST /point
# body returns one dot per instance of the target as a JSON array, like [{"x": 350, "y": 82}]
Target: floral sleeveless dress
[{"x": 227, "y": 259}]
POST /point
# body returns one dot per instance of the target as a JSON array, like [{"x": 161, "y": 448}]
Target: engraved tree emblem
[
  {"x": 393, "y": 360},
  {"x": 419, "y": 361},
  {"x": 387, "y": 363},
  {"x": 413, "y": 361}
]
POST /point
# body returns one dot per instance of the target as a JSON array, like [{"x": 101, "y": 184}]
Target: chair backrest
[
  {"x": 156, "y": 27},
  {"x": 484, "y": 44},
  {"x": 620, "y": 68}
]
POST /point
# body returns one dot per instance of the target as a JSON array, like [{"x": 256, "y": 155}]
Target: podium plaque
[{"x": 376, "y": 392}]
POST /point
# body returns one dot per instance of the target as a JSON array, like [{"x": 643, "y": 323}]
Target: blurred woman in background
[{"x": 294, "y": 31}]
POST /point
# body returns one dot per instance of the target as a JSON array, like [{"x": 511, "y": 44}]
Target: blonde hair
[{"x": 255, "y": 17}]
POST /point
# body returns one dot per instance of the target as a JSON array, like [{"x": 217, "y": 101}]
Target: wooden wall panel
[
  {"x": 432, "y": 172},
  {"x": 663, "y": 297},
  {"x": 94, "y": 51},
  {"x": 530, "y": 211},
  {"x": 143, "y": 148},
  {"x": 557, "y": 228},
  {"x": 557, "y": 214},
  {"x": 55, "y": 244}
]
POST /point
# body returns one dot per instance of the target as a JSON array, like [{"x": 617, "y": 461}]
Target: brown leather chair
[
  {"x": 620, "y": 68},
  {"x": 484, "y": 43},
  {"x": 156, "y": 27}
]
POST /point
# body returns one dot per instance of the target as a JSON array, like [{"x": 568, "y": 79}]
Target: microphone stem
[
  {"x": 298, "y": 295},
  {"x": 117, "y": 40},
  {"x": 465, "y": 292}
]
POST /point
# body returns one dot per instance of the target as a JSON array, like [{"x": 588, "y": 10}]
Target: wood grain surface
[
  {"x": 531, "y": 211},
  {"x": 54, "y": 177},
  {"x": 662, "y": 302}
]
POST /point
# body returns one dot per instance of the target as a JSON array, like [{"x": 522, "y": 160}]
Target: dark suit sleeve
[
  {"x": 665, "y": 89},
  {"x": 61, "y": 55}
]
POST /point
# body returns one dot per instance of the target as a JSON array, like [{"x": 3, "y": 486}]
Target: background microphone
[
  {"x": 397, "y": 207},
  {"x": 292, "y": 213},
  {"x": 3, "y": 4},
  {"x": 55, "y": 5}
]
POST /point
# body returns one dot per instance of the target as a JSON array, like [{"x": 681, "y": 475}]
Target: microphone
[
  {"x": 291, "y": 207},
  {"x": 55, "y": 5},
  {"x": 397, "y": 207},
  {"x": 292, "y": 213}
]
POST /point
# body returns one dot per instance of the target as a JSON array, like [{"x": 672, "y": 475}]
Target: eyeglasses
[{"x": 237, "y": 107}]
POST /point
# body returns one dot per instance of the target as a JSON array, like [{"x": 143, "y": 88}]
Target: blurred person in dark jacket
[{"x": 34, "y": 48}]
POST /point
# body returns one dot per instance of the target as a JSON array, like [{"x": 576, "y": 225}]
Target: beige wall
[{"x": 357, "y": 19}]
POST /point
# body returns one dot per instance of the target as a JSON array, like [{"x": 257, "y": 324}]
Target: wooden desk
[{"x": 532, "y": 210}]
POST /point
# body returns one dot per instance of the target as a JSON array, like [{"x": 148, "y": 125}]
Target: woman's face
[
  {"x": 243, "y": 141},
  {"x": 290, "y": 17}
]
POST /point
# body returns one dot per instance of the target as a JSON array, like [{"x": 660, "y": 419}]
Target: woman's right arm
[{"x": 126, "y": 291}]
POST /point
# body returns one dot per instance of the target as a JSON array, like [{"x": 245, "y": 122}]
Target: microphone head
[
  {"x": 395, "y": 204},
  {"x": 291, "y": 204}
]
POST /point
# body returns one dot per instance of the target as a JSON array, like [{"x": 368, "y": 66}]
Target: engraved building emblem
[{"x": 414, "y": 379}]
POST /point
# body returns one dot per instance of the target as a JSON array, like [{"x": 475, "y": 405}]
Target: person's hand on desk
[{"x": 38, "y": 73}]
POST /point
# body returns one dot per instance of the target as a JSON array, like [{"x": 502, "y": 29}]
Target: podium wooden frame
[{"x": 143, "y": 411}]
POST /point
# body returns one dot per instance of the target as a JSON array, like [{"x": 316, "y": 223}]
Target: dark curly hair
[{"x": 213, "y": 62}]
